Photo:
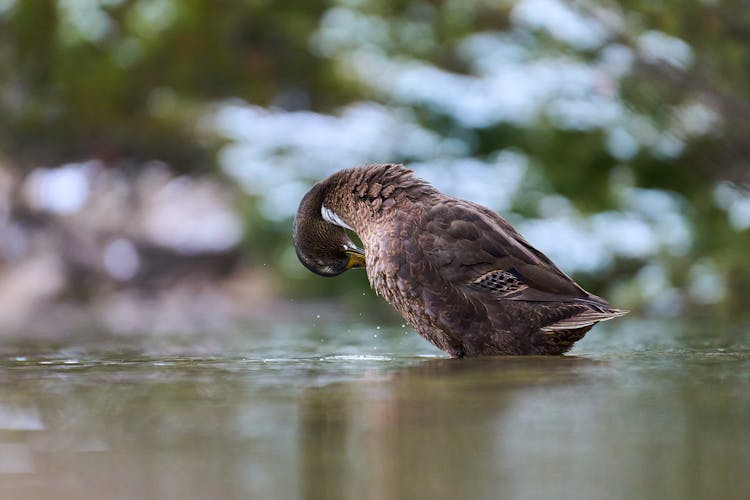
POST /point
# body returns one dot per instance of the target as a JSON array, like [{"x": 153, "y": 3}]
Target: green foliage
[
  {"x": 134, "y": 90},
  {"x": 134, "y": 81}
]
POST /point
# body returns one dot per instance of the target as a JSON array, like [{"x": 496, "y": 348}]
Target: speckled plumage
[{"x": 459, "y": 273}]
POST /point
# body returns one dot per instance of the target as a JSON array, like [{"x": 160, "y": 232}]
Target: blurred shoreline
[
  {"x": 83, "y": 247},
  {"x": 152, "y": 154}
]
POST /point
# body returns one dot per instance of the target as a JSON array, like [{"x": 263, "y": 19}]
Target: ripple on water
[{"x": 356, "y": 357}]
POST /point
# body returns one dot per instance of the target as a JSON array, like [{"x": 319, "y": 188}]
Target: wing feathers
[
  {"x": 588, "y": 317},
  {"x": 499, "y": 283}
]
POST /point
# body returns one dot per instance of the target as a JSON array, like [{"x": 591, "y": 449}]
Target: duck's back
[{"x": 468, "y": 282}]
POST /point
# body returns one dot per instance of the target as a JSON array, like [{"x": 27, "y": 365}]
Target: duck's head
[{"x": 322, "y": 244}]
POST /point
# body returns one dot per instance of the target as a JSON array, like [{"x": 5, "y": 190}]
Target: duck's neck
[{"x": 362, "y": 198}]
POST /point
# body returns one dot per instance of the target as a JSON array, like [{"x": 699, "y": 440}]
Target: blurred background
[{"x": 153, "y": 152}]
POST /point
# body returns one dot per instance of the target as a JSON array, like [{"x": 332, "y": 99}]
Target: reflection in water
[
  {"x": 120, "y": 434},
  {"x": 335, "y": 422},
  {"x": 533, "y": 428},
  {"x": 17, "y": 418},
  {"x": 431, "y": 431}
]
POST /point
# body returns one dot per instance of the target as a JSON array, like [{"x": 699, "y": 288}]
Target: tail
[{"x": 593, "y": 313}]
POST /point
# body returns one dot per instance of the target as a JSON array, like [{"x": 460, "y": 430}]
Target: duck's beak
[{"x": 356, "y": 258}]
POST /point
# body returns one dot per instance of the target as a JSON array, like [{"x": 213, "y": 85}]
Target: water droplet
[
  {"x": 317, "y": 316},
  {"x": 377, "y": 328},
  {"x": 403, "y": 326},
  {"x": 375, "y": 335}
]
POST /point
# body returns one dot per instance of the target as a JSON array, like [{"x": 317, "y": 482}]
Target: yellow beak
[{"x": 356, "y": 258}]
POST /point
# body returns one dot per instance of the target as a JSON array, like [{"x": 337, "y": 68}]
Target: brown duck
[{"x": 460, "y": 274}]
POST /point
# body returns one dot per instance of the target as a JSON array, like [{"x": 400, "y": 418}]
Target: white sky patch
[
  {"x": 555, "y": 205},
  {"x": 560, "y": 21},
  {"x": 487, "y": 52},
  {"x": 281, "y": 203},
  {"x": 621, "y": 144},
  {"x": 358, "y": 133},
  {"x": 508, "y": 81},
  {"x": 151, "y": 17},
  {"x": 658, "y": 47},
  {"x": 707, "y": 284},
  {"x": 62, "y": 190},
  {"x": 626, "y": 235},
  {"x": 668, "y": 146},
  {"x": 664, "y": 212},
  {"x": 584, "y": 113},
  {"x": 616, "y": 60},
  {"x": 739, "y": 214},
  {"x": 726, "y": 193},
  {"x": 568, "y": 242},
  {"x": 650, "y": 222},
  {"x": 87, "y": 18},
  {"x": 273, "y": 152},
  {"x": 696, "y": 119},
  {"x": 654, "y": 284},
  {"x": 517, "y": 92},
  {"x": 342, "y": 28},
  {"x": 121, "y": 260},
  {"x": 6, "y": 5},
  {"x": 191, "y": 218},
  {"x": 493, "y": 183},
  {"x": 736, "y": 202}
]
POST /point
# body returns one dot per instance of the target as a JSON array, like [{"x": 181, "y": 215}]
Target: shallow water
[{"x": 640, "y": 410}]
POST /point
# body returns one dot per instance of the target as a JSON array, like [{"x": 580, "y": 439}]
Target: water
[{"x": 318, "y": 412}]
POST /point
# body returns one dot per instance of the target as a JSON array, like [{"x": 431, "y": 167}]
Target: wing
[{"x": 475, "y": 247}]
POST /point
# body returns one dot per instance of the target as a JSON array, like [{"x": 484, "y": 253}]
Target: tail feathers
[{"x": 588, "y": 317}]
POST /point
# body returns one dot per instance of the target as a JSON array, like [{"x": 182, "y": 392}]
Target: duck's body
[{"x": 459, "y": 273}]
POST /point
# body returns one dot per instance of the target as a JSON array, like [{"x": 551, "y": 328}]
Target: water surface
[{"x": 320, "y": 411}]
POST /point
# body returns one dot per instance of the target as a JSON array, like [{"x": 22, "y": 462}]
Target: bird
[{"x": 458, "y": 272}]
